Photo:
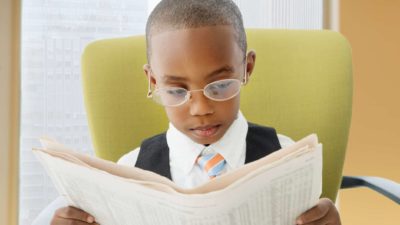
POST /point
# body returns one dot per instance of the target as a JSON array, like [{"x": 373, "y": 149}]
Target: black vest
[{"x": 154, "y": 151}]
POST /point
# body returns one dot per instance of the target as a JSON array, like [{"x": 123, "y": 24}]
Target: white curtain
[{"x": 54, "y": 33}]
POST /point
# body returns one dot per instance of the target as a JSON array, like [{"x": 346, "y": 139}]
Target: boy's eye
[
  {"x": 224, "y": 84},
  {"x": 221, "y": 85},
  {"x": 176, "y": 92}
]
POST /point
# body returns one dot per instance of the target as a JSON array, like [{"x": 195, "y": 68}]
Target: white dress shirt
[{"x": 182, "y": 155}]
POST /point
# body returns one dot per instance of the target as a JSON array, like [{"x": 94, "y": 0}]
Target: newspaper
[{"x": 273, "y": 190}]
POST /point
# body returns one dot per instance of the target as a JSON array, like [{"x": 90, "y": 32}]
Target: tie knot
[{"x": 212, "y": 164}]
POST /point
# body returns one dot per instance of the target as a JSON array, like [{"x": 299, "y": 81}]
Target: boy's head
[{"x": 190, "y": 44}]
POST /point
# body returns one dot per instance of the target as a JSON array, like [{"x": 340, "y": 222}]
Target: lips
[{"x": 206, "y": 131}]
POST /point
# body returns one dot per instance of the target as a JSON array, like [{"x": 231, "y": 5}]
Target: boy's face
[{"x": 191, "y": 59}]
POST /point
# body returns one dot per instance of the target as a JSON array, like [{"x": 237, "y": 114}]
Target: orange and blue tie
[{"x": 212, "y": 164}]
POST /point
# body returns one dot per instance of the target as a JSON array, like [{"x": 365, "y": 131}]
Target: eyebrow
[{"x": 226, "y": 68}]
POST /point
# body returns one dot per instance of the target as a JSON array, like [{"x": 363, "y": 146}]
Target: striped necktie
[{"x": 212, "y": 164}]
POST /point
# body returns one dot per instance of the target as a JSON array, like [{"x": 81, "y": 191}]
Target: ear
[
  {"x": 148, "y": 73},
  {"x": 250, "y": 63}
]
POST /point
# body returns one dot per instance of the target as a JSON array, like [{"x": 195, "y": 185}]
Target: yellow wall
[
  {"x": 373, "y": 29},
  {"x": 9, "y": 109}
]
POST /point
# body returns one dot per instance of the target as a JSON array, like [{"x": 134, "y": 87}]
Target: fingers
[
  {"x": 316, "y": 213},
  {"x": 63, "y": 221},
  {"x": 72, "y": 214}
]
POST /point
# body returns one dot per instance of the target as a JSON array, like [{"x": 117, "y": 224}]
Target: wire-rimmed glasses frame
[{"x": 220, "y": 90}]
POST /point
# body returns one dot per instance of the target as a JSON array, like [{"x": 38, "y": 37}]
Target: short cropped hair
[{"x": 182, "y": 14}]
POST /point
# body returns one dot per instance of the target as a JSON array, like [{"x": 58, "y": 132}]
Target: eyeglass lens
[{"x": 221, "y": 90}]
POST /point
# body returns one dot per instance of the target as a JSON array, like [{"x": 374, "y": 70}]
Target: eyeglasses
[{"x": 221, "y": 90}]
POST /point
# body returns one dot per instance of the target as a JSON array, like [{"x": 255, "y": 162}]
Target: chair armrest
[{"x": 384, "y": 186}]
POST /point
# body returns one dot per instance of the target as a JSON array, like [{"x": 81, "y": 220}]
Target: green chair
[{"x": 302, "y": 84}]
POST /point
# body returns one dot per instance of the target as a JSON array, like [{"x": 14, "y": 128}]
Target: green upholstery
[{"x": 302, "y": 84}]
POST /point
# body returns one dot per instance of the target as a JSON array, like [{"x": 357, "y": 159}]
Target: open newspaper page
[{"x": 273, "y": 190}]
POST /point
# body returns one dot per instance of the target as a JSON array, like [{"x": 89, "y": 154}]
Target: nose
[{"x": 200, "y": 105}]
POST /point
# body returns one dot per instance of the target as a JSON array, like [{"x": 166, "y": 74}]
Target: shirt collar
[{"x": 184, "y": 151}]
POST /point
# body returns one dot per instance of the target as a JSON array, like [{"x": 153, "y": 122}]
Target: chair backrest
[{"x": 302, "y": 84}]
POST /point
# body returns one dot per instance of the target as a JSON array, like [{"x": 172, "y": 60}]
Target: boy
[{"x": 197, "y": 59}]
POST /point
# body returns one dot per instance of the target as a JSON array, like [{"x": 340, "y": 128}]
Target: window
[{"x": 54, "y": 34}]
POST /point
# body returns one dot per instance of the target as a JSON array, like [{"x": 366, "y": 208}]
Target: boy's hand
[
  {"x": 323, "y": 213},
  {"x": 72, "y": 215}
]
